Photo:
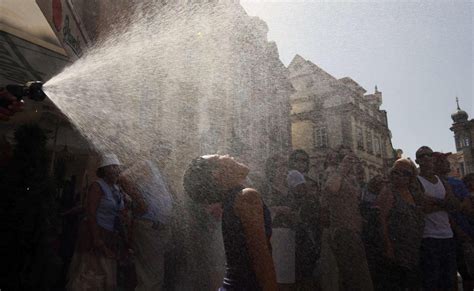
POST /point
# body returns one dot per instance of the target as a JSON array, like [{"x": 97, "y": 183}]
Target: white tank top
[{"x": 436, "y": 223}]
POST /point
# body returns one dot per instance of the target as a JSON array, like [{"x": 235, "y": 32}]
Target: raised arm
[
  {"x": 131, "y": 189},
  {"x": 336, "y": 175},
  {"x": 249, "y": 207}
]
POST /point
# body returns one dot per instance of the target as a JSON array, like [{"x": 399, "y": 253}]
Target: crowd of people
[{"x": 411, "y": 229}]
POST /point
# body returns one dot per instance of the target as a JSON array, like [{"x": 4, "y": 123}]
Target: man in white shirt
[
  {"x": 146, "y": 185},
  {"x": 438, "y": 249}
]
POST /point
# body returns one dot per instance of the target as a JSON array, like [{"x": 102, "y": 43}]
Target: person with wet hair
[
  {"x": 101, "y": 239},
  {"x": 246, "y": 222},
  {"x": 340, "y": 200},
  {"x": 402, "y": 225},
  {"x": 438, "y": 248}
]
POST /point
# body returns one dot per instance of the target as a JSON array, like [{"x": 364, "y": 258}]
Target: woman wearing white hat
[{"x": 95, "y": 261}]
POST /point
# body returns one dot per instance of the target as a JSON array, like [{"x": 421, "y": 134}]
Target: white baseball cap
[{"x": 108, "y": 160}]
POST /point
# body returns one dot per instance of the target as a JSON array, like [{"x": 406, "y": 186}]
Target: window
[
  {"x": 360, "y": 138},
  {"x": 377, "y": 149},
  {"x": 368, "y": 136},
  {"x": 321, "y": 137},
  {"x": 463, "y": 141},
  {"x": 467, "y": 141}
]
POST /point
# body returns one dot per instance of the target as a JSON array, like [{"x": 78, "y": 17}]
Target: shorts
[{"x": 438, "y": 263}]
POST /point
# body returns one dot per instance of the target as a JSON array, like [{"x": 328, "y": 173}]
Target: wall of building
[
  {"x": 463, "y": 139},
  {"x": 342, "y": 108}
]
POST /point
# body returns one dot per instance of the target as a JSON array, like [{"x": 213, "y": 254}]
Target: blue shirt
[
  {"x": 461, "y": 192},
  {"x": 110, "y": 205}
]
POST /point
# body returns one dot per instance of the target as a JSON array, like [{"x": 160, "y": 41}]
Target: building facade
[
  {"x": 216, "y": 84},
  {"x": 328, "y": 113},
  {"x": 463, "y": 130}
]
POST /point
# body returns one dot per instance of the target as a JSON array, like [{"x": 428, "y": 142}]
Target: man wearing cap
[
  {"x": 438, "y": 249},
  {"x": 101, "y": 239},
  {"x": 148, "y": 189}
]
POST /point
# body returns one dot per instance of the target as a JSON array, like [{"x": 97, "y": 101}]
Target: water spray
[{"x": 33, "y": 90}]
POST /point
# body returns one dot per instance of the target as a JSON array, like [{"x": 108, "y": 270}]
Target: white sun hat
[{"x": 108, "y": 160}]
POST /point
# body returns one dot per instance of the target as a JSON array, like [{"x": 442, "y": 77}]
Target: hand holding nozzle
[
  {"x": 9, "y": 104},
  {"x": 32, "y": 90},
  {"x": 11, "y": 99}
]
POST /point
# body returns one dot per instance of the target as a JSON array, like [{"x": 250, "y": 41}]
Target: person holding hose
[{"x": 13, "y": 105}]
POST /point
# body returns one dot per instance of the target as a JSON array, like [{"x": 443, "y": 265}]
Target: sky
[{"x": 419, "y": 54}]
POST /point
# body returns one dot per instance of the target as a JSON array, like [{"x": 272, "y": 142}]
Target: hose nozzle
[{"x": 33, "y": 90}]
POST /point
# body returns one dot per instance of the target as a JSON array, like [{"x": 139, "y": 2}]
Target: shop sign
[{"x": 66, "y": 25}]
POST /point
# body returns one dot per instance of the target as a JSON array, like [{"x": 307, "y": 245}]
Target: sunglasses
[
  {"x": 402, "y": 173},
  {"x": 429, "y": 155}
]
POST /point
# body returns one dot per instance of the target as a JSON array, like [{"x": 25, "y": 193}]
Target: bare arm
[
  {"x": 130, "y": 188},
  {"x": 430, "y": 204},
  {"x": 449, "y": 203},
  {"x": 248, "y": 206},
  {"x": 336, "y": 176}
]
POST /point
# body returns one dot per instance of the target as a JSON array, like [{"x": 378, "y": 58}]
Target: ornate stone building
[
  {"x": 463, "y": 130},
  {"x": 328, "y": 112}
]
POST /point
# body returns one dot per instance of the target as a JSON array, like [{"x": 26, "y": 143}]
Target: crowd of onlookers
[
  {"x": 411, "y": 229},
  {"x": 426, "y": 221}
]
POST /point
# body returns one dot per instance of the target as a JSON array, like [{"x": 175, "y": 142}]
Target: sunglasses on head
[{"x": 402, "y": 173}]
